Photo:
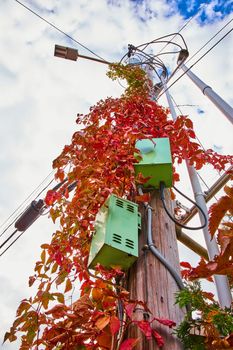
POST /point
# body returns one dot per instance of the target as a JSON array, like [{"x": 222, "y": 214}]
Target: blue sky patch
[
  {"x": 200, "y": 111},
  {"x": 217, "y": 9},
  {"x": 189, "y": 8}
]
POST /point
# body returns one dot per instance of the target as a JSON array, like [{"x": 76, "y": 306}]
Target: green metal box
[
  {"x": 115, "y": 241},
  {"x": 156, "y": 161}
]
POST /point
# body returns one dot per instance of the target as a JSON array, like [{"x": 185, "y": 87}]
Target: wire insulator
[{"x": 30, "y": 215}]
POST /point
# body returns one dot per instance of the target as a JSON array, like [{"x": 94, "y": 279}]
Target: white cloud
[{"x": 40, "y": 96}]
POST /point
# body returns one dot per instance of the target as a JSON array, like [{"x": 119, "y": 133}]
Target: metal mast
[
  {"x": 222, "y": 285},
  {"x": 223, "y": 106}
]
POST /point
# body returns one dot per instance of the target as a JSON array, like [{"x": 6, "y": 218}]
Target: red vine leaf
[
  {"x": 143, "y": 198},
  {"x": 104, "y": 340},
  {"x": 100, "y": 160},
  {"x": 129, "y": 344},
  {"x": 217, "y": 212},
  {"x": 145, "y": 328},
  {"x": 114, "y": 324},
  {"x": 129, "y": 308},
  {"x": 229, "y": 191},
  {"x": 9, "y": 336},
  {"x": 158, "y": 338},
  {"x": 185, "y": 264},
  {"x": 102, "y": 322},
  {"x": 68, "y": 286},
  {"x": 166, "y": 322}
]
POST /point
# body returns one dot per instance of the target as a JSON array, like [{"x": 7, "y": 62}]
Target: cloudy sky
[{"x": 41, "y": 95}]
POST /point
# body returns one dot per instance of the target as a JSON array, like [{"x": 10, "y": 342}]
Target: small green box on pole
[
  {"x": 156, "y": 161},
  {"x": 115, "y": 241}
]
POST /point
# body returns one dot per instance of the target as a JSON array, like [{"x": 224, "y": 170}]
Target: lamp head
[
  {"x": 183, "y": 55},
  {"x": 66, "y": 52}
]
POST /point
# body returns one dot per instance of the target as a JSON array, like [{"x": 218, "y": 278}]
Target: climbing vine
[
  {"x": 215, "y": 323},
  {"x": 212, "y": 328},
  {"x": 100, "y": 161}
]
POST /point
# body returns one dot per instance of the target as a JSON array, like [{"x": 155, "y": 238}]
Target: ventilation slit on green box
[
  {"x": 129, "y": 243},
  {"x": 119, "y": 203},
  {"x": 130, "y": 208},
  {"x": 116, "y": 238}
]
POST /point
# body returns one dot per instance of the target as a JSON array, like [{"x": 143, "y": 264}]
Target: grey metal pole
[
  {"x": 224, "y": 107},
  {"x": 210, "y": 193},
  {"x": 221, "y": 281}
]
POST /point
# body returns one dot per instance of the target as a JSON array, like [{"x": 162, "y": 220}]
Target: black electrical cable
[
  {"x": 15, "y": 219},
  {"x": 25, "y": 202},
  {"x": 179, "y": 31},
  {"x": 168, "y": 42},
  {"x": 31, "y": 214},
  {"x": 58, "y": 29},
  {"x": 212, "y": 47},
  {"x": 163, "y": 37},
  {"x": 162, "y": 187},
  {"x": 153, "y": 60},
  {"x": 44, "y": 188},
  {"x": 23, "y": 211},
  {"x": 178, "y": 107},
  {"x": 26, "y": 219},
  {"x": 190, "y": 58},
  {"x": 204, "y": 150},
  {"x": 11, "y": 243},
  {"x": 6, "y": 240}
]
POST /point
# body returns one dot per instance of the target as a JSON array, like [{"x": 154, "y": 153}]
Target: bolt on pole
[
  {"x": 221, "y": 281},
  {"x": 223, "y": 106}
]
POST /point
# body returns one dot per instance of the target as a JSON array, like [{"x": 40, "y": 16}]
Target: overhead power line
[
  {"x": 183, "y": 26},
  {"x": 58, "y": 29},
  {"x": 30, "y": 215},
  {"x": 18, "y": 211},
  {"x": 201, "y": 48},
  {"x": 201, "y": 144},
  {"x": 211, "y": 48},
  {"x": 4, "y": 251}
]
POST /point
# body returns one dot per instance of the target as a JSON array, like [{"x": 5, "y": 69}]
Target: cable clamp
[
  {"x": 182, "y": 206},
  {"x": 206, "y": 87},
  {"x": 148, "y": 207},
  {"x": 152, "y": 245}
]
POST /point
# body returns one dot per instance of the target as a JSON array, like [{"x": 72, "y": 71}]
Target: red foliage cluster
[
  {"x": 223, "y": 263},
  {"x": 101, "y": 159}
]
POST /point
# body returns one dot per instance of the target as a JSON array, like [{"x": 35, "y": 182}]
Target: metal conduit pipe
[
  {"x": 222, "y": 105},
  {"x": 156, "y": 252}
]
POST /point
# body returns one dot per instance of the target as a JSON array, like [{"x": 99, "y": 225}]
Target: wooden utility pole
[{"x": 150, "y": 281}]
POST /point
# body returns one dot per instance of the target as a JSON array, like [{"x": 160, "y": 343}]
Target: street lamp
[
  {"x": 72, "y": 54},
  {"x": 66, "y": 52}
]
